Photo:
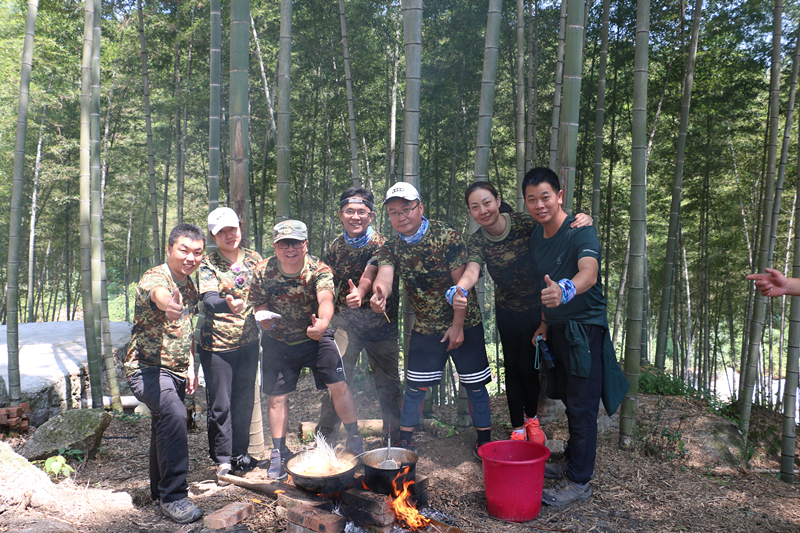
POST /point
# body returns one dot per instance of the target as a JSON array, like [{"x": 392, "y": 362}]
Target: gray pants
[{"x": 383, "y": 357}]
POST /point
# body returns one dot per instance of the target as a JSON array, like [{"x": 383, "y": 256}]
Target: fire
[
  {"x": 407, "y": 515},
  {"x": 279, "y": 491}
]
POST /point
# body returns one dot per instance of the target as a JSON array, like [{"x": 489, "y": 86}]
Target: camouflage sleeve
[
  {"x": 150, "y": 282},
  {"x": 385, "y": 256},
  {"x": 323, "y": 279},
  {"x": 475, "y": 250},
  {"x": 455, "y": 250},
  {"x": 207, "y": 277},
  {"x": 257, "y": 296}
]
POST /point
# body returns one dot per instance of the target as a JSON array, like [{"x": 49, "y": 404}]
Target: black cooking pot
[
  {"x": 322, "y": 484},
  {"x": 381, "y": 480}
]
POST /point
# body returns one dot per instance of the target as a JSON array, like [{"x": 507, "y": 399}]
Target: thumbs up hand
[
  {"x": 236, "y": 306},
  {"x": 378, "y": 301},
  {"x": 317, "y": 328},
  {"x": 354, "y": 297},
  {"x": 551, "y": 294},
  {"x": 174, "y": 308}
]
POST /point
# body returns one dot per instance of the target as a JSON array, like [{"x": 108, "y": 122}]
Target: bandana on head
[
  {"x": 359, "y": 242},
  {"x": 356, "y": 200},
  {"x": 414, "y": 239}
]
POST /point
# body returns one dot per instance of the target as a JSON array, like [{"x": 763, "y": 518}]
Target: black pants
[
  {"x": 522, "y": 377},
  {"x": 230, "y": 391},
  {"x": 163, "y": 392},
  {"x": 581, "y": 397},
  {"x": 383, "y": 357}
]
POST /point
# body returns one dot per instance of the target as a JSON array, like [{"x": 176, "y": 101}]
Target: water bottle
[{"x": 545, "y": 355}]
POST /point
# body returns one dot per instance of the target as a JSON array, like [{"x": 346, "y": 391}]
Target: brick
[
  {"x": 420, "y": 499},
  {"x": 292, "y": 497},
  {"x": 14, "y": 411},
  {"x": 3, "y": 419},
  {"x": 294, "y": 528},
  {"x": 360, "y": 516},
  {"x": 231, "y": 514},
  {"x": 365, "y": 500},
  {"x": 14, "y": 422},
  {"x": 316, "y": 519},
  {"x": 24, "y": 425}
]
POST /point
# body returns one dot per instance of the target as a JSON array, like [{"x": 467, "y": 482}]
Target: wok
[
  {"x": 379, "y": 479},
  {"x": 322, "y": 484}
]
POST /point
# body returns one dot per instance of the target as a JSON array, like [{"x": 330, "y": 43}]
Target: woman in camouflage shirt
[
  {"x": 503, "y": 244},
  {"x": 229, "y": 342}
]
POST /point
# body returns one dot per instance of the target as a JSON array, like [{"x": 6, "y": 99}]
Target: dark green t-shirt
[
  {"x": 558, "y": 257},
  {"x": 508, "y": 259}
]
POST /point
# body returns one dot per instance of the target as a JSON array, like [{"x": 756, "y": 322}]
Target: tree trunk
[
  {"x": 556, "y": 116},
  {"x": 151, "y": 169},
  {"x": 520, "y": 101},
  {"x": 350, "y": 108},
  {"x": 215, "y": 62},
  {"x": 239, "y": 124},
  {"x": 92, "y": 350},
  {"x": 600, "y": 118},
  {"x": 15, "y": 223},
  {"x": 759, "y": 303},
  {"x": 677, "y": 191},
  {"x": 570, "y": 114},
  {"x": 282, "y": 205},
  {"x": 638, "y": 232},
  {"x": 179, "y": 182},
  {"x": 533, "y": 98}
]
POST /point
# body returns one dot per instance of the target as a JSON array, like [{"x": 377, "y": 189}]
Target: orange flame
[
  {"x": 289, "y": 480},
  {"x": 364, "y": 485},
  {"x": 407, "y": 514},
  {"x": 279, "y": 491}
]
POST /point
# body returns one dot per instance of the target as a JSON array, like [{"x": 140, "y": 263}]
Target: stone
[
  {"x": 721, "y": 442},
  {"x": 22, "y": 483},
  {"x": 142, "y": 410},
  {"x": 77, "y": 429}
]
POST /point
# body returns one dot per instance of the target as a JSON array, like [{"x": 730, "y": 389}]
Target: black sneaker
[
  {"x": 244, "y": 464},
  {"x": 355, "y": 445},
  {"x": 407, "y": 444},
  {"x": 565, "y": 492}
]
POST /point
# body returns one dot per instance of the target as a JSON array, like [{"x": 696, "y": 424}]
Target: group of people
[{"x": 322, "y": 314}]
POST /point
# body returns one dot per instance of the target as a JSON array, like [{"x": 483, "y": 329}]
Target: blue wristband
[
  {"x": 567, "y": 290},
  {"x": 452, "y": 291}
]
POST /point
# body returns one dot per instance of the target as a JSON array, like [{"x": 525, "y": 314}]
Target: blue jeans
[{"x": 163, "y": 392}]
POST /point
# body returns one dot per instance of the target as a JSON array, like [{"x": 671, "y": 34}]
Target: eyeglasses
[
  {"x": 403, "y": 212},
  {"x": 353, "y": 213},
  {"x": 288, "y": 243}
]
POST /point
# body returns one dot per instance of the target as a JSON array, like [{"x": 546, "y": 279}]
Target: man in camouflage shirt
[
  {"x": 160, "y": 366},
  {"x": 352, "y": 259},
  {"x": 430, "y": 257},
  {"x": 298, "y": 287}
]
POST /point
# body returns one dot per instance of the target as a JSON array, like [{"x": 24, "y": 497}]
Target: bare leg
[
  {"x": 342, "y": 402},
  {"x": 279, "y": 415}
]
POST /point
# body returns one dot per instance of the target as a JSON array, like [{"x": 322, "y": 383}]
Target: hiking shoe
[
  {"x": 475, "y": 449},
  {"x": 223, "y": 469},
  {"x": 182, "y": 511},
  {"x": 407, "y": 444},
  {"x": 518, "y": 435},
  {"x": 244, "y": 464},
  {"x": 535, "y": 433},
  {"x": 558, "y": 470},
  {"x": 276, "y": 460},
  {"x": 565, "y": 492},
  {"x": 355, "y": 445}
]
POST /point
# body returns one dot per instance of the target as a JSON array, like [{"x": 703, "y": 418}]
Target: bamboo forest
[{"x": 672, "y": 125}]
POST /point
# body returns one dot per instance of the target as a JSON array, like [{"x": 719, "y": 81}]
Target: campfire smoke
[{"x": 407, "y": 514}]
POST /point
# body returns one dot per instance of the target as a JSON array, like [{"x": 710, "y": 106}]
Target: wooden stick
[{"x": 387, "y": 317}]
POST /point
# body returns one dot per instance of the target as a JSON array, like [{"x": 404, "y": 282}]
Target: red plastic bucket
[{"x": 513, "y": 475}]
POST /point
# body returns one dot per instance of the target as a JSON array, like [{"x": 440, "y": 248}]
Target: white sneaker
[{"x": 182, "y": 511}]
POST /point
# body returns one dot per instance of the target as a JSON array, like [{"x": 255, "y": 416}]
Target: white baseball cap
[
  {"x": 403, "y": 190},
  {"x": 222, "y": 217}
]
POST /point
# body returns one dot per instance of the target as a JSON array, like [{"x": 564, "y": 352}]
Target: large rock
[
  {"x": 22, "y": 484},
  {"x": 78, "y": 429},
  {"x": 720, "y": 441}
]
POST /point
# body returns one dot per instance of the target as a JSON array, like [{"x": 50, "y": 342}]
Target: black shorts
[
  {"x": 427, "y": 356},
  {"x": 282, "y": 363}
]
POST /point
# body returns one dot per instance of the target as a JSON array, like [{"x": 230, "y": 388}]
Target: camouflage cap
[{"x": 290, "y": 229}]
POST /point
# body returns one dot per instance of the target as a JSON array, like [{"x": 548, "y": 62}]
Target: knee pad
[
  {"x": 413, "y": 402},
  {"x": 479, "y": 407}
]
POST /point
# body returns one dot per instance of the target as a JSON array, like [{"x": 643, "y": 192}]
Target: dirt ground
[{"x": 664, "y": 484}]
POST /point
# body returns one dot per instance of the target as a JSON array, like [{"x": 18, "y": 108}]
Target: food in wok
[{"x": 322, "y": 461}]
